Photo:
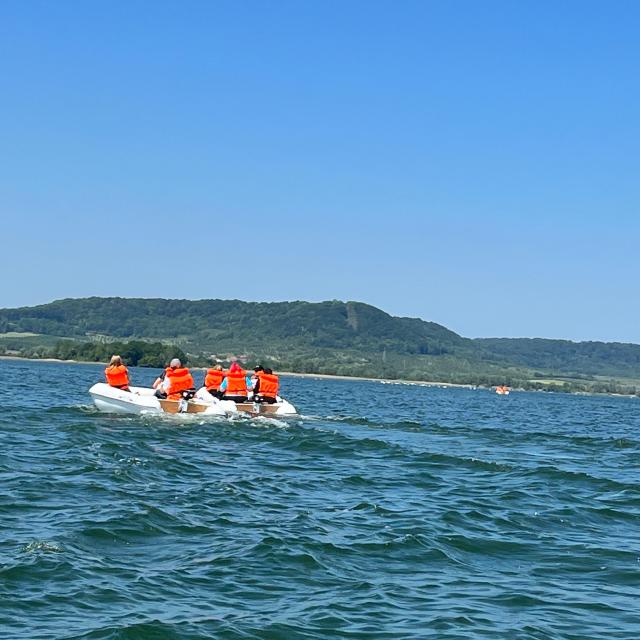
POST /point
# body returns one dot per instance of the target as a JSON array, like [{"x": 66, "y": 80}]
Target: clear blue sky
[{"x": 472, "y": 163}]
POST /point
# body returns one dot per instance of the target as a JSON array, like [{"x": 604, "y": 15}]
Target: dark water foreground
[{"x": 387, "y": 511}]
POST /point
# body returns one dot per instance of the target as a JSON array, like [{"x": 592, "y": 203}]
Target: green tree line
[{"x": 135, "y": 353}]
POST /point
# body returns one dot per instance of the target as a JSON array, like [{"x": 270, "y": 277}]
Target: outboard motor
[{"x": 183, "y": 403}]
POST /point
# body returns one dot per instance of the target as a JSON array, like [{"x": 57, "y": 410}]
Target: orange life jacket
[
  {"x": 117, "y": 376},
  {"x": 236, "y": 383},
  {"x": 179, "y": 380},
  {"x": 268, "y": 385},
  {"x": 213, "y": 379}
]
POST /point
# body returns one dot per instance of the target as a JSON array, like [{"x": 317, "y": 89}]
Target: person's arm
[
  {"x": 223, "y": 384},
  {"x": 159, "y": 380}
]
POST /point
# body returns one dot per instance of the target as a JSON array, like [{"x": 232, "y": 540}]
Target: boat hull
[
  {"x": 141, "y": 400},
  {"x": 280, "y": 408},
  {"x": 263, "y": 409}
]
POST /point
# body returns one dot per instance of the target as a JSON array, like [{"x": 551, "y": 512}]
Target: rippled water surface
[{"x": 384, "y": 511}]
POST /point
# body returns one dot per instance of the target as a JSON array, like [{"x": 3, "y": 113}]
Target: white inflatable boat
[{"x": 142, "y": 400}]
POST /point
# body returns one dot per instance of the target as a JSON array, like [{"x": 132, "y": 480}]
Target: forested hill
[
  {"x": 233, "y": 324},
  {"x": 592, "y": 358},
  {"x": 348, "y": 338}
]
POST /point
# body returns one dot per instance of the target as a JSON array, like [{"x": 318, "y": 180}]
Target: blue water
[{"x": 384, "y": 511}]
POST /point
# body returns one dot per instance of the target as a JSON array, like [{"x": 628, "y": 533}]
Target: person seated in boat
[
  {"x": 255, "y": 378},
  {"x": 213, "y": 380},
  {"x": 160, "y": 381},
  {"x": 266, "y": 387},
  {"x": 116, "y": 374},
  {"x": 236, "y": 384},
  {"x": 257, "y": 370},
  {"x": 179, "y": 382}
]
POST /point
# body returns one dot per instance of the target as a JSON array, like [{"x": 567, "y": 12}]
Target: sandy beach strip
[{"x": 422, "y": 383}]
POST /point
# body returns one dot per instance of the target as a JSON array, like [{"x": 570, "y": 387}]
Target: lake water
[{"x": 385, "y": 511}]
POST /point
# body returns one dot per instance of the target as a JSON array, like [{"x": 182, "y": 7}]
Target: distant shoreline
[
  {"x": 46, "y": 360},
  {"x": 423, "y": 383},
  {"x": 293, "y": 374},
  {"x": 328, "y": 376}
]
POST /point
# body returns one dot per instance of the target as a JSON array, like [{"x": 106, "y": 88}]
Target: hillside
[
  {"x": 587, "y": 358},
  {"x": 233, "y": 324},
  {"x": 348, "y": 338}
]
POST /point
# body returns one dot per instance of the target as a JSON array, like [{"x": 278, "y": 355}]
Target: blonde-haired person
[
  {"x": 213, "y": 379},
  {"x": 116, "y": 374}
]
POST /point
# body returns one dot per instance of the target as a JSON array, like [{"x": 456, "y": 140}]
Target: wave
[{"x": 457, "y": 516}]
